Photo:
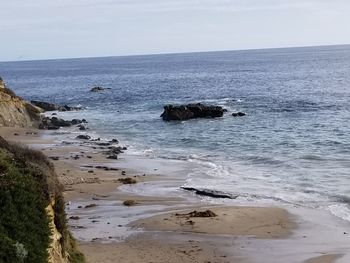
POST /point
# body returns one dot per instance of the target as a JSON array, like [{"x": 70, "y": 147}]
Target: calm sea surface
[{"x": 293, "y": 147}]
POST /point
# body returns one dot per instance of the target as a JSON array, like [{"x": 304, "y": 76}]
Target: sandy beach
[{"x": 156, "y": 228}]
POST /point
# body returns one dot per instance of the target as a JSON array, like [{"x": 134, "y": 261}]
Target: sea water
[{"x": 292, "y": 147}]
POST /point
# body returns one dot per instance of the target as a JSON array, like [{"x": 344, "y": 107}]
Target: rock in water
[
  {"x": 98, "y": 89},
  {"x": 238, "y": 114},
  {"x": 191, "y": 111},
  {"x": 51, "y": 107},
  {"x": 210, "y": 193},
  {"x": 45, "y": 105},
  {"x": 83, "y": 137}
]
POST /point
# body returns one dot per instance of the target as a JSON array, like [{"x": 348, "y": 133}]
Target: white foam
[{"x": 340, "y": 210}]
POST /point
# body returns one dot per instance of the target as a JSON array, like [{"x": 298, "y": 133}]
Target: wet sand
[{"x": 164, "y": 234}]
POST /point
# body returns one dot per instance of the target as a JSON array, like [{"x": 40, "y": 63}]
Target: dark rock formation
[
  {"x": 69, "y": 108},
  {"x": 129, "y": 202},
  {"x": 76, "y": 121},
  {"x": 113, "y": 157},
  {"x": 55, "y": 123},
  {"x": 210, "y": 193},
  {"x": 81, "y": 127},
  {"x": 127, "y": 180},
  {"x": 83, "y": 137},
  {"x": 45, "y": 105},
  {"x": 238, "y": 114},
  {"x": 114, "y": 151},
  {"x": 51, "y": 107},
  {"x": 191, "y": 111},
  {"x": 98, "y": 89}
]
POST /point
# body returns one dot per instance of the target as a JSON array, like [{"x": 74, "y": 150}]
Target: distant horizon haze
[
  {"x": 39, "y": 29},
  {"x": 174, "y": 53}
]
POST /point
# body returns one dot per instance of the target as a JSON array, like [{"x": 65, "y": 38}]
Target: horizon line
[{"x": 175, "y": 53}]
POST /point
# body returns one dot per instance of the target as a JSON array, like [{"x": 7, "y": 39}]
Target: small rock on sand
[
  {"x": 129, "y": 202},
  {"x": 127, "y": 180},
  {"x": 90, "y": 205}
]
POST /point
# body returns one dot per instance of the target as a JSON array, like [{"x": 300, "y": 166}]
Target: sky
[{"x": 42, "y": 29}]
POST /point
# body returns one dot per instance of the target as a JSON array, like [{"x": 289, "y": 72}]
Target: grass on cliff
[{"x": 28, "y": 183}]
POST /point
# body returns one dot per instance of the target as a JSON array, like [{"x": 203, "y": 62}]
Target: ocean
[{"x": 292, "y": 147}]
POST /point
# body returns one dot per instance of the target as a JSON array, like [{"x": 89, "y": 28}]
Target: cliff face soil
[{"x": 14, "y": 111}]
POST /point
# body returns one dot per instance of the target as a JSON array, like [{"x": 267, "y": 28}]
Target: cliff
[
  {"x": 15, "y": 111},
  {"x": 33, "y": 224},
  {"x": 32, "y": 217}
]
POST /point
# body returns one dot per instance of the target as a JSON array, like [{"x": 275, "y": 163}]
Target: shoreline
[{"x": 86, "y": 185}]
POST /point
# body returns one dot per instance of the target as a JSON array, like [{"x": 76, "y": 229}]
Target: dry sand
[{"x": 180, "y": 237}]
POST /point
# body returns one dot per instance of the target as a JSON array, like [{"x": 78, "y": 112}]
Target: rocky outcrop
[
  {"x": 191, "y": 111},
  {"x": 14, "y": 111},
  {"x": 45, "y": 106},
  {"x": 55, "y": 123}
]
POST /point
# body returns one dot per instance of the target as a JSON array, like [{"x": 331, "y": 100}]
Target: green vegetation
[
  {"x": 28, "y": 183},
  {"x": 23, "y": 220}
]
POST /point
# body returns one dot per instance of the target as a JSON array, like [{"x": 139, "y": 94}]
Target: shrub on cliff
[
  {"x": 28, "y": 183},
  {"x": 23, "y": 220}
]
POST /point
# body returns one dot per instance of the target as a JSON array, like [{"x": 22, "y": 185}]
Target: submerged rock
[
  {"x": 191, "y": 111},
  {"x": 238, "y": 114},
  {"x": 83, "y": 137},
  {"x": 81, "y": 127},
  {"x": 98, "y": 89}
]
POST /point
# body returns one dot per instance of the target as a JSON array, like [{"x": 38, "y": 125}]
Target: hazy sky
[{"x": 39, "y": 29}]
